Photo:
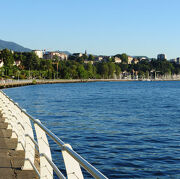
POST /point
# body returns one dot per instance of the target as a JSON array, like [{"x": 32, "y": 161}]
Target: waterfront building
[
  {"x": 17, "y": 62},
  {"x": 1, "y": 63},
  {"x": 51, "y": 55},
  {"x": 173, "y": 60},
  {"x": 135, "y": 61},
  {"x": 102, "y": 58},
  {"x": 88, "y": 61},
  {"x": 178, "y": 60},
  {"x": 161, "y": 57},
  {"x": 130, "y": 59},
  {"x": 39, "y": 53},
  {"x": 117, "y": 60},
  {"x": 99, "y": 58}
]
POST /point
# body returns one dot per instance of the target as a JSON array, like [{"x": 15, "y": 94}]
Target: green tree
[
  {"x": 81, "y": 72},
  {"x": 124, "y": 58},
  {"x": 30, "y": 61},
  {"x": 111, "y": 69},
  {"x": 124, "y": 67},
  {"x": 141, "y": 74},
  {"x": 89, "y": 68},
  {"x": 103, "y": 69},
  {"x": 91, "y": 58},
  {"x": 117, "y": 70},
  {"x": 7, "y": 57}
]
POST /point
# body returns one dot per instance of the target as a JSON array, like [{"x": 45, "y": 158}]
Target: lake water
[{"x": 125, "y": 129}]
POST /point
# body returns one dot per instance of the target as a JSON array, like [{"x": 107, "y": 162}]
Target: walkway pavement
[{"x": 11, "y": 161}]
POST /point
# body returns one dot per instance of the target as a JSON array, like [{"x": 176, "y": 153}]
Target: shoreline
[{"x": 18, "y": 83}]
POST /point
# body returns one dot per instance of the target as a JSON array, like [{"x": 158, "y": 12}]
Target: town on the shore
[{"x": 42, "y": 64}]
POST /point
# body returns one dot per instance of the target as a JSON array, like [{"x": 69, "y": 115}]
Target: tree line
[{"x": 75, "y": 67}]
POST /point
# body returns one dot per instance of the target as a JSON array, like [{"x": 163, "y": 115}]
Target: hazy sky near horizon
[{"x": 109, "y": 27}]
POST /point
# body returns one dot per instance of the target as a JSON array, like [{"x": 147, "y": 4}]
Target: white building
[
  {"x": 130, "y": 59},
  {"x": 17, "y": 62},
  {"x": 51, "y": 55},
  {"x": 1, "y": 63},
  {"x": 117, "y": 60},
  {"x": 39, "y": 53},
  {"x": 99, "y": 58},
  {"x": 135, "y": 61}
]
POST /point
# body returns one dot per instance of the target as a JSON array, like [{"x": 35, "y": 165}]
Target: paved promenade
[{"x": 11, "y": 161}]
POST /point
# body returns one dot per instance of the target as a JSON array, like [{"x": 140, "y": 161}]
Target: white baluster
[
  {"x": 21, "y": 132},
  {"x": 46, "y": 171},
  {"x": 73, "y": 169},
  {"x": 30, "y": 146}
]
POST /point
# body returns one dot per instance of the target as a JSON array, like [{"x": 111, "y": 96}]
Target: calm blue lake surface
[{"x": 125, "y": 129}]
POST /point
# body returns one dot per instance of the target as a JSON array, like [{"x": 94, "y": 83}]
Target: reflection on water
[{"x": 125, "y": 129}]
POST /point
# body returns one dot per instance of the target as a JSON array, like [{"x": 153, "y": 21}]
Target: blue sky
[{"x": 136, "y": 27}]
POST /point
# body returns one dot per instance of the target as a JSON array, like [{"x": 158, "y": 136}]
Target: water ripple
[{"x": 125, "y": 129}]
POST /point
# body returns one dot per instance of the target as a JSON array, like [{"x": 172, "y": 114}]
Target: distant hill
[
  {"x": 66, "y": 52},
  {"x": 141, "y": 57},
  {"x": 13, "y": 46}
]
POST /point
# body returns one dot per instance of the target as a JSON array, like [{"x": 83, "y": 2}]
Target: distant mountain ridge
[
  {"x": 66, "y": 52},
  {"x": 13, "y": 46},
  {"x": 18, "y": 48}
]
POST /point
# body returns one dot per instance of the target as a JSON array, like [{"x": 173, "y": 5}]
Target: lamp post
[
  {"x": 57, "y": 69},
  {"x": 29, "y": 73},
  {"x": 18, "y": 75}
]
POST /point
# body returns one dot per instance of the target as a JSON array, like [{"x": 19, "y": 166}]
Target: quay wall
[{"x": 17, "y": 83}]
